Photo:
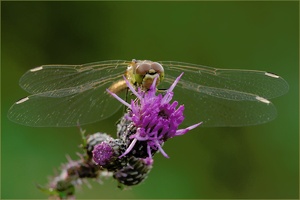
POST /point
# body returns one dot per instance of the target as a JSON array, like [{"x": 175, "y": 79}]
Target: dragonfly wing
[
  {"x": 218, "y": 108},
  {"x": 70, "y": 78},
  {"x": 224, "y": 97},
  {"x": 88, "y": 106},
  {"x": 68, "y": 95},
  {"x": 259, "y": 83}
]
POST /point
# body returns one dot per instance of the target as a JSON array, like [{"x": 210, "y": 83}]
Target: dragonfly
[{"x": 65, "y": 95}]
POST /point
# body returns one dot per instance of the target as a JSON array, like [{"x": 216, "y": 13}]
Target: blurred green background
[{"x": 248, "y": 162}]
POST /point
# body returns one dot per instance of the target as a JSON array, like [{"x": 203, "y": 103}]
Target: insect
[{"x": 65, "y": 95}]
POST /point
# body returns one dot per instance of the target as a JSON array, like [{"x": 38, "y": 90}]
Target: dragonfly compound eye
[
  {"x": 142, "y": 69},
  {"x": 158, "y": 69}
]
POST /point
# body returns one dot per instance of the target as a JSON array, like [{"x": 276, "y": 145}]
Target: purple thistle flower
[
  {"x": 92, "y": 140},
  {"x": 155, "y": 118},
  {"x": 103, "y": 153},
  {"x": 107, "y": 153}
]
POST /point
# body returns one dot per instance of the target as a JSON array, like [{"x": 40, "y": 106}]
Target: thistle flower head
[
  {"x": 103, "y": 153},
  {"x": 155, "y": 118},
  {"x": 107, "y": 153},
  {"x": 134, "y": 172}
]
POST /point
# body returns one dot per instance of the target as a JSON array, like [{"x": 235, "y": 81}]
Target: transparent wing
[
  {"x": 224, "y": 97},
  {"x": 65, "y": 79},
  {"x": 65, "y": 95}
]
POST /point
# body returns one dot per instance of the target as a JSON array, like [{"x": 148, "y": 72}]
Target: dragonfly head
[{"x": 145, "y": 71}]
